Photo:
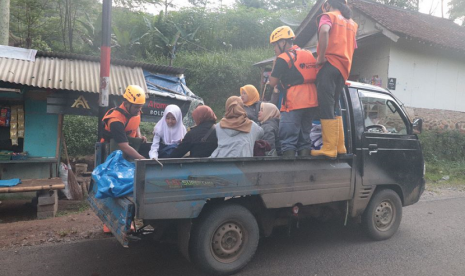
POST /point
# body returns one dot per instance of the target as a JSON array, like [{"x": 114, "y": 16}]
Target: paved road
[{"x": 430, "y": 241}]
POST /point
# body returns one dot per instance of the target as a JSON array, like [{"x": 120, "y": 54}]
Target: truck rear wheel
[
  {"x": 224, "y": 240},
  {"x": 383, "y": 214}
]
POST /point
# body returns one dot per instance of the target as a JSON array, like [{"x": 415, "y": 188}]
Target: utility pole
[
  {"x": 4, "y": 22},
  {"x": 105, "y": 57}
]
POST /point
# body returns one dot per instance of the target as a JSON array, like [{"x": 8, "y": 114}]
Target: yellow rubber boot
[
  {"x": 329, "y": 129},
  {"x": 341, "y": 147}
]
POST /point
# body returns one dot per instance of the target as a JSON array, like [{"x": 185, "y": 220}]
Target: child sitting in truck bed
[
  {"x": 201, "y": 140},
  {"x": 167, "y": 133},
  {"x": 269, "y": 120},
  {"x": 251, "y": 99}
]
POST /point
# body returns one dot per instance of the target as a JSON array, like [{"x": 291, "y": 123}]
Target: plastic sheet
[
  {"x": 114, "y": 177},
  {"x": 10, "y": 182}
]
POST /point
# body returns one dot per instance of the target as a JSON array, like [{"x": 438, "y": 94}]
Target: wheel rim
[
  {"x": 385, "y": 215},
  {"x": 228, "y": 241}
]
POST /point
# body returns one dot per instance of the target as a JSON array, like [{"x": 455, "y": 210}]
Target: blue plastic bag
[{"x": 114, "y": 177}]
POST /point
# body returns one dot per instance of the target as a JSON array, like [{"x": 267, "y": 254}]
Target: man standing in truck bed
[
  {"x": 122, "y": 123},
  {"x": 336, "y": 44},
  {"x": 295, "y": 71}
]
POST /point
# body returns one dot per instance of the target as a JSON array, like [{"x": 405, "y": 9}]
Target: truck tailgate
[{"x": 116, "y": 213}]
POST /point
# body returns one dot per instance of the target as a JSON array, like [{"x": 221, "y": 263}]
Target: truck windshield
[{"x": 382, "y": 113}]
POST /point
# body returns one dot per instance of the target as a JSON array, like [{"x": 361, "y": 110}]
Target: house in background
[{"x": 418, "y": 57}]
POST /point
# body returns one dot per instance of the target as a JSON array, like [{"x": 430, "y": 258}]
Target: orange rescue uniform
[
  {"x": 120, "y": 114},
  {"x": 341, "y": 42},
  {"x": 300, "y": 94}
]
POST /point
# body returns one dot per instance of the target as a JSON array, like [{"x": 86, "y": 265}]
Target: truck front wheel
[
  {"x": 224, "y": 239},
  {"x": 383, "y": 214}
]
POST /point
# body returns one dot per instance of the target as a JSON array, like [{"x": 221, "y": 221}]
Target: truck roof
[{"x": 367, "y": 86}]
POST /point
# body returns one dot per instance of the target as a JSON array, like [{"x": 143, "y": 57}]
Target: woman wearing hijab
[
  {"x": 269, "y": 116},
  {"x": 188, "y": 121},
  {"x": 201, "y": 140},
  {"x": 236, "y": 133},
  {"x": 251, "y": 100},
  {"x": 167, "y": 133}
]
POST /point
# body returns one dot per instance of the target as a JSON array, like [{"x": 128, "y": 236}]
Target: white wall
[
  {"x": 428, "y": 77},
  {"x": 371, "y": 58}
]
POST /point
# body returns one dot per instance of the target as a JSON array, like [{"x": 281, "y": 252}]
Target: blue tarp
[
  {"x": 166, "y": 83},
  {"x": 114, "y": 177},
  {"x": 10, "y": 182}
]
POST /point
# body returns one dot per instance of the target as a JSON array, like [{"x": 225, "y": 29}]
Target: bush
[
  {"x": 217, "y": 76},
  {"x": 443, "y": 153},
  {"x": 443, "y": 146},
  {"x": 80, "y": 134}
]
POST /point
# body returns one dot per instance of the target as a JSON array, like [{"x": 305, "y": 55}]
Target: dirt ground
[
  {"x": 75, "y": 221},
  {"x": 19, "y": 226}
]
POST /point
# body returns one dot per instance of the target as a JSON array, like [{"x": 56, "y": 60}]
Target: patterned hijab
[
  {"x": 171, "y": 135},
  {"x": 235, "y": 116},
  {"x": 252, "y": 94},
  {"x": 188, "y": 121}
]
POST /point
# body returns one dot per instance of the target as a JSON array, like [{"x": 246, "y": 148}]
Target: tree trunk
[
  {"x": 4, "y": 22},
  {"x": 442, "y": 8}
]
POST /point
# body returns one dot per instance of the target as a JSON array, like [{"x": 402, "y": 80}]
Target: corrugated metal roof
[
  {"x": 69, "y": 74},
  {"x": 129, "y": 63}
]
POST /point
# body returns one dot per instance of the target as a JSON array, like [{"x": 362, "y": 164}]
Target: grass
[
  {"x": 77, "y": 208},
  {"x": 445, "y": 174}
]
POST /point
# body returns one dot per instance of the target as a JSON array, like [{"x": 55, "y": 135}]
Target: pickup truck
[{"x": 218, "y": 208}]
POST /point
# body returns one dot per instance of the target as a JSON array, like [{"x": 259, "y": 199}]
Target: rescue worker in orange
[
  {"x": 336, "y": 45},
  {"x": 294, "y": 71},
  {"x": 122, "y": 123}
]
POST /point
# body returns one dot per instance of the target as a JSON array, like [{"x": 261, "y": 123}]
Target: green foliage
[
  {"x": 404, "y": 4},
  {"x": 146, "y": 129},
  {"x": 217, "y": 76},
  {"x": 443, "y": 146},
  {"x": 445, "y": 172},
  {"x": 26, "y": 22},
  {"x": 457, "y": 10},
  {"x": 80, "y": 134},
  {"x": 275, "y": 4},
  {"x": 443, "y": 153}
]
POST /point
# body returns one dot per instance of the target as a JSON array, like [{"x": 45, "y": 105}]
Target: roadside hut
[{"x": 38, "y": 88}]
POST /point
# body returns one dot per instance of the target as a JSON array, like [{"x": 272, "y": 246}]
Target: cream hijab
[{"x": 269, "y": 111}]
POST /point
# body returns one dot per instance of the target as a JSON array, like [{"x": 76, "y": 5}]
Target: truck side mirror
[{"x": 417, "y": 126}]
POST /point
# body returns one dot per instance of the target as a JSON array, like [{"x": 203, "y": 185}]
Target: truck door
[{"x": 391, "y": 153}]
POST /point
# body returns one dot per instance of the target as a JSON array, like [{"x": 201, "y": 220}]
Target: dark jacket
[
  {"x": 271, "y": 128},
  {"x": 192, "y": 142},
  {"x": 252, "y": 111}
]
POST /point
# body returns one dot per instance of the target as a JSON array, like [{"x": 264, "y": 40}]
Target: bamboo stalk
[{"x": 31, "y": 188}]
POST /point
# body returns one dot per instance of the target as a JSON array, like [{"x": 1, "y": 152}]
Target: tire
[
  {"x": 224, "y": 240},
  {"x": 383, "y": 214}
]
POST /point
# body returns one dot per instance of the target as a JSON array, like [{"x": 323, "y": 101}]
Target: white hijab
[{"x": 171, "y": 135}]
